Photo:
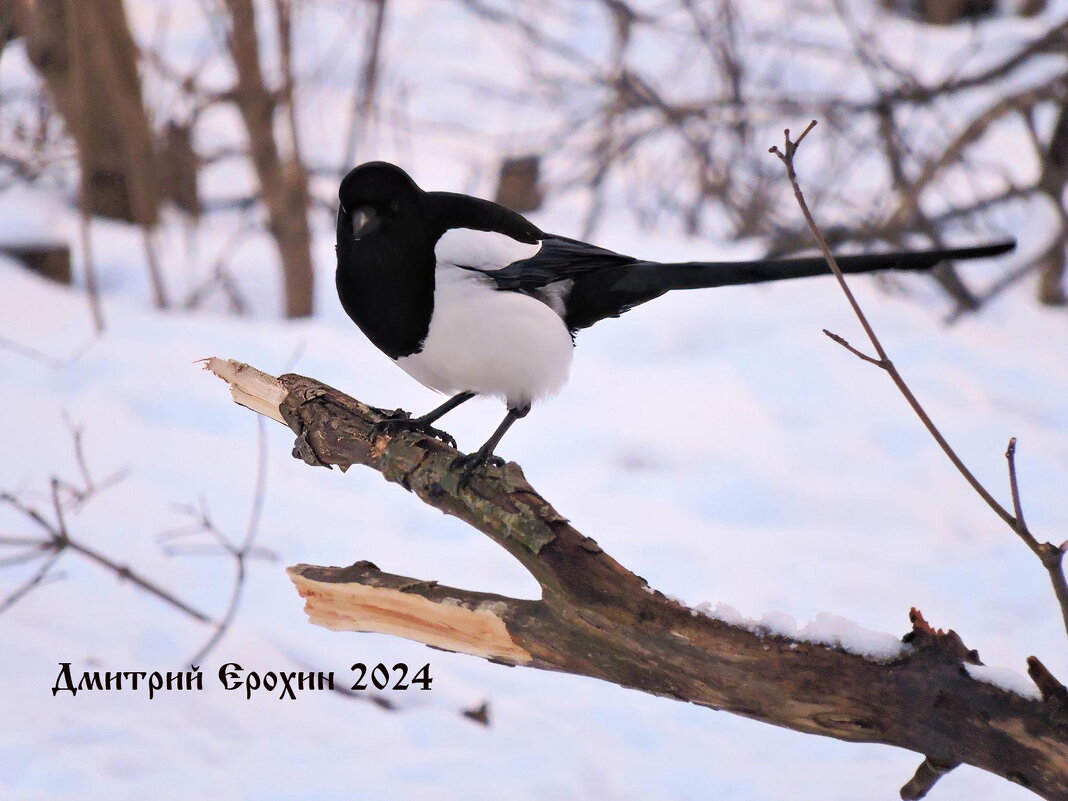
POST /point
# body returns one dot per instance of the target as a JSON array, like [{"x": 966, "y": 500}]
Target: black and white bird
[{"x": 470, "y": 298}]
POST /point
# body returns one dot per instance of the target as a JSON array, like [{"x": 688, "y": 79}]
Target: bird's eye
[{"x": 364, "y": 221}]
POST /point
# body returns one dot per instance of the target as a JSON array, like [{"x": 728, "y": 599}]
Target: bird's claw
[
  {"x": 401, "y": 421},
  {"x": 469, "y": 464}
]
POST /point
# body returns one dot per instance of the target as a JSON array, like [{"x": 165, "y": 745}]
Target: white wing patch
[
  {"x": 481, "y": 250},
  {"x": 554, "y": 295}
]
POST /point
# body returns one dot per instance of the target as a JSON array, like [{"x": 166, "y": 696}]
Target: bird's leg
[
  {"x": 445, "y": 408},
  {"x": 401, "y": 422},
  {"x": 471, "y": 462}
]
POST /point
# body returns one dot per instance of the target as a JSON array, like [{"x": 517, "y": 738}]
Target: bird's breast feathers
[{"x": 481, "y": 339}]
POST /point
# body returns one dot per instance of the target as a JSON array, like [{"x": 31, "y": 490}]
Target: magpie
[{"x": 470, "y": 298}]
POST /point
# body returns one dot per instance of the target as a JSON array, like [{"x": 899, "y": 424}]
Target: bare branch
[
  {"x": 36, "y": 580},
  {"x": 242, "y": 553},
  {"x": 927, "y": 774},
  {"x": 1010, "y": 457},
  {"x": 858, "y": 353},
  {"x": 363, "y": 97},
  {"x": 1050, "y": 555},
  {"x": 126, "y": 574},
  {"x": 1052, "y": 690},
  {"x": 57, "y": 538},
  {"x": 283, "y": 180},
  {"x": 596, "y": 618},
  {"x": 92, "y": 289},
  {"x": 55, "y": 362}
]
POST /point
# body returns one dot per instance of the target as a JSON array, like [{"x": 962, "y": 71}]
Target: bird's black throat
[{"x": 386, "y": 280}]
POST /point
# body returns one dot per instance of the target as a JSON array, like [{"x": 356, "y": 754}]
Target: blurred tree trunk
[
  {"x": 517, "y": 184},
  {"x": 942, "y": 12},
  {"x": 179, "y": 167},
  {"x": 283, "y": 181},
  {"x": 88, "y": 60},
  {"x": 1052, "y": 183}
]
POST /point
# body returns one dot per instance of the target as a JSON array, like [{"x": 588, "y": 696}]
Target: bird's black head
[
  {"x": 385, "y": 256},
  {"x": 376, "y": 197}
]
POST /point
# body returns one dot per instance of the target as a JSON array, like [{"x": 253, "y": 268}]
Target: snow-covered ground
[{"x": 714, "y": 442}]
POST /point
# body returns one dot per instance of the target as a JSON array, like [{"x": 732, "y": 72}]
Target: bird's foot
[
  {"x": 470, "y": 463},
  {"x": 393, "y": 414},
  {"x": 400, "y": 420}
]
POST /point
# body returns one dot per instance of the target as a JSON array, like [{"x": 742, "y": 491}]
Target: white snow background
[{"x": 716, "y": 443}]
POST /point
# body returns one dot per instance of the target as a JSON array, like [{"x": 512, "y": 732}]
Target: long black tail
[
  {"x": 612, "y": 290},
  {"x": 700, "y": 275}
]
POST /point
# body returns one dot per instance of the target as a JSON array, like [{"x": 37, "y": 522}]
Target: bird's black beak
[{"x": 364, "y": 221}]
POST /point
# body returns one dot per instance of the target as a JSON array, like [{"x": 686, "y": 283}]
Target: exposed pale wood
[
  {"x": 449, "y": 621},
  {"x": 249, "y": 387}
]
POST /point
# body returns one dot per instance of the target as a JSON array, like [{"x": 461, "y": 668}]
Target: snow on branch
[{"x": 596, "y": 618}]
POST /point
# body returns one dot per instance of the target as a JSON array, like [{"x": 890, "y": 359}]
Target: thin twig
[
  {"x": 57, "y": 538},
  {"x": 33, "y": 541},
  {"x": 55, "y": 362},
  {"x": 155, "y": 272},
  {"x": 1050, "y": 555},
  {"x": 363, "y": 96},
  {"x": 36, "y": 580},
  {"x": 1007, "y": 281},
  {"x": 1014, "y": 487},
  {"x": 90, "y": 486},
  {"x": 92, "y": 289},
  {"x": 38, "y": 551},
  {"x": 124, "y": 572},
  {"x": 30, "y": 512},
  {"x": 858, "y": 353},
  {"x": 79, "y": 73},
  {"x": 247, "y": 548}
]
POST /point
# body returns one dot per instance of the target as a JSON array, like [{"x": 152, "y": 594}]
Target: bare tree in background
[
  {"x": 363, "y": 98},
  {"x": 88, "y": 59},
  {"x": 663, "y": 105},
  {"x": 942, "y": 12},
  {"x": 283, "y": 178}
]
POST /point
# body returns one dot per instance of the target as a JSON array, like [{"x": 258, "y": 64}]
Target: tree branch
[
  {"x": 1049, "y": 554},
  {"x": 68, "y": 496},
  {"x": 283, "y": 179},
  {"x": 596, "y": 618}
]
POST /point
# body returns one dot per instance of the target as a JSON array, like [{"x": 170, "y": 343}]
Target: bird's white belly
[{"x": 494, "y": 343}]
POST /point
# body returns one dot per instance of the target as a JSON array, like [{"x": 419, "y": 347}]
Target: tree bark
[
  {"x": 88, "y": 59},
  {"x": 284, "y": 182},
  {"x": 49, "y": 260},
  {"x": 1051, "y": 289},
  {"x": 596, "y": 618}
]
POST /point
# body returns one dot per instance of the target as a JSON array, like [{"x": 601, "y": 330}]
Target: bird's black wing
[
  {"x": 558, "y": 259},
  {"x": 573, "y": 278}
]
